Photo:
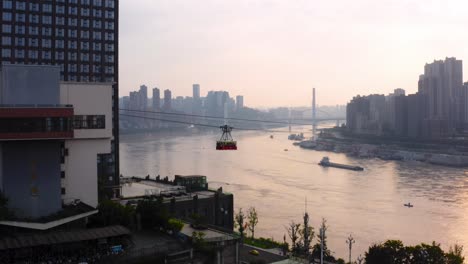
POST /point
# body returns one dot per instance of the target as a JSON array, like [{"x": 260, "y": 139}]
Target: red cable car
[{"x": 226, "y": 142}]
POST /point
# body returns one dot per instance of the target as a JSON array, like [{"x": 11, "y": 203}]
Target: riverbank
[{"x": 434, "y": 153}]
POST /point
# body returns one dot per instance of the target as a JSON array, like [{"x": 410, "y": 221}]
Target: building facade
[
  {"x": 167, "y": 99},
  {"x": 79, "y": 36},
  {"x": 156, "y": 99},
  {"x": 51, "y": 134}
]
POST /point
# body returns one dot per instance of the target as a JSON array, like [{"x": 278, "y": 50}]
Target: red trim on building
[
  {"x": 35, "y": 112},
  {"x": 37, "y": 135}
]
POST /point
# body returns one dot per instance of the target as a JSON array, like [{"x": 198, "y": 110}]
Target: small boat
[
  {"x": 409, "y": 205},
  {"x": 271, "y": 136},
  {"x": 285, "y": 149},
  {"x": 325, "y": 162}
]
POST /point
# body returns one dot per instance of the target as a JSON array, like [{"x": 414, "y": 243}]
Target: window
[
  {"x": 34, "y": 7},
  {"x": 46, "y": 43},
  {"x": 85, "y": 12},
  {"x": 110, "y": 14},
  {"x": 34, "y": 19},
  {"x": 85, "y": 68},
  {"x": 46, "y": 55},
  {"x": 110, "y": 36},
  {"x": 46, "y": 31},
  {"x": 89, "y": 122},
  {"x": 33, "y": 42},
  {"x": 85, "y": 57},
  {"x": 72, "y": 10},
  {"x": 72, "y": 56},
  {"x": 84, "y": 45},
  {"x": 72, "y": 44},
  {"x": 97, "y": 2},
  {"x": 84, "y": 22},
  {"x": 109, "y": 25},
  {"x": 109, "y": 47},
  {"x": 97, "y": 35},
  {"x": 110, "y": 70},
  {"x": 60, "y": 9},
  {"x": 47, "y": 20},
  {"x": 97, "y": 13},
  {"x": 96, "y": 69},
  {"x": 73, "y": 2},
  {"x": 60, "y": 56},
  {"x": 96, "y": 46},
  {"x": 6, "y": 53},
  {"x": 85, "y": 34},
  {"x": 6, "y": 28},
  {"x": 72, "y": 67},
  {"x": 60, "y": 21},
  {"x": 6, "y": 16},
  {"x": 19, "y": 54},
  {"x": 110, "y": 3},
  {"x": 72, "y": 33},
  {"x": 60, "y": 44},
  {"x": 21, "y": 18},
  {"x": 60, "y": 32},
  {"x": 47, "y": 8},
  {"x": 73, "y": 22},
  {"x": 110, "y": 58},
  {"x": 20, "y": 6},
  {"x": 7, "y": 4},
  {"x": 34, "y": 30},
  {"x": 85, "y": 2},
  {"x": 96, "y": 24},
  {"x": 20, "y": 29},
  {"x": 97, "y": 58},
  {"x": 6, "y": 41},
  {"x": 33, "y": 54},
  {"x": 62, "y": 174},
  {"x": 63, "y": 191},
  {"x": 20, "y": 42}
]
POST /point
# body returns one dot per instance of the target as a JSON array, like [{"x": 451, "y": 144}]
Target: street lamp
[{"x": 350, "y": 241}]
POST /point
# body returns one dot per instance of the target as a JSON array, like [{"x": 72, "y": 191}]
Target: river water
[{"x": 261, "y": 173}]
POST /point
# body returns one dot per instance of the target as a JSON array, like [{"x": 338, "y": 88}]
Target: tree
[
  {"x": 455, "y": 255},
  {"x": 293, "y": 233},
  {"x": 390, "y": 252},
  {"x": 112, "y": 213},
  {"x": 322, "y": 240},
  {"x": 239, "y": 219},
  {"x": 175, "y": 225},
  {"x": 153, "y": 213},
  {"x": 307, "y": 234},
  {"x": 253, "y": 220}
]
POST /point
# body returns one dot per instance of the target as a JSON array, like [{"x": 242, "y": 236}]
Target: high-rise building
[
  {"x": 143, "y": 97},
  {"x": 81, "y": 37},
  {"x": 156, "y": 99},
  {"x": 196, "y": 91},
  {"x": 167, "y": 99},
  {"x": 239, "y": 102},
  {"x": 442, "y": 83}
]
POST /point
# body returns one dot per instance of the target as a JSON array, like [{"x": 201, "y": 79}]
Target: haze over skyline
[{"x": 274, "y": 52}]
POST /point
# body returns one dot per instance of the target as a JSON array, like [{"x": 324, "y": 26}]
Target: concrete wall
[
  {"x": 31, "y": 178},
  {"x": 29, "y": 84},
  {"x": 81, "y": 180},
  {"x": 89, "y": 99}
]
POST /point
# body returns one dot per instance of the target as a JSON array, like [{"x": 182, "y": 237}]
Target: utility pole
[
  {"x": 314, "y": 116},
  {"x": 322, "y": 233},
  {"x": 350, "y": 241}
]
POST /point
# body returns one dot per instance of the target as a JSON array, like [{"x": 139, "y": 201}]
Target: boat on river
[
  {"x": 325, "y": 162},
  {"x": 409, "y": 205}
]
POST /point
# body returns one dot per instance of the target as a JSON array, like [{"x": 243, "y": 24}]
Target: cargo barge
[{"x": 325, "y": 162}]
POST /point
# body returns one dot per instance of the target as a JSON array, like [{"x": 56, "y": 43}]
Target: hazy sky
[{"x": 274, "y": 51}]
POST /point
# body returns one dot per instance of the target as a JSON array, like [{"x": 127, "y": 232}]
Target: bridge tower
[{"x": 314, "y": 114}]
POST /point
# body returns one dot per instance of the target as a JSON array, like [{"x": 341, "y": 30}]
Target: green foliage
[
  {"x": 4, "y": 211},
  {"x": 340, "y": 261},
  {"x": 175, "y": 225},
  {"x": 262, "y": 242},
  {"x": 113, "y": 213},
  {"x": 307, "y": 234},
  {"x": 394, "y": 252},
  {"x": 316, "y": 250},
  {"x": 239, "y": 219},
  {"x": 153, "y": 213},
  {"x": 253, "y": 220},
  {"x": 293, "y": 233}
]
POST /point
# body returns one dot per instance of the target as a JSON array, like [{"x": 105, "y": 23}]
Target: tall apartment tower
[
  {"x": 156, "y": 99},
  {"x": 167, "y": 99},
  {"x": 143, "y": 97},
  {"x": 79, "y": 36},
  {"x": 442, "y": 83},
  {"x": 196, "y": 91},
  {"x": 239, "y": 102}
]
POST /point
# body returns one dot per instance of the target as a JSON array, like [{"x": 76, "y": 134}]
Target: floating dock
[{"x": 325, "y": 162}]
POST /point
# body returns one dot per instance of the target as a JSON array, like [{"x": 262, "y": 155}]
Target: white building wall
[{"x": 81, "y": 179}]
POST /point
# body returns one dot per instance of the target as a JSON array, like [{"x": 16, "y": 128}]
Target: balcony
[{"x": 26, "y": 122}]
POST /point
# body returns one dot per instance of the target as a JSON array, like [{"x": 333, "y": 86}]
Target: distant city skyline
[{"x": 274, "y": 52}]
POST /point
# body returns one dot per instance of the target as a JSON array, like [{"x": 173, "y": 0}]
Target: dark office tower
[
  {"x": 80, "y": 36},
  {"x": 167, "y": 99},
  {"x": 156, "y": 99},
  {"x": 196, "y": 91}
]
